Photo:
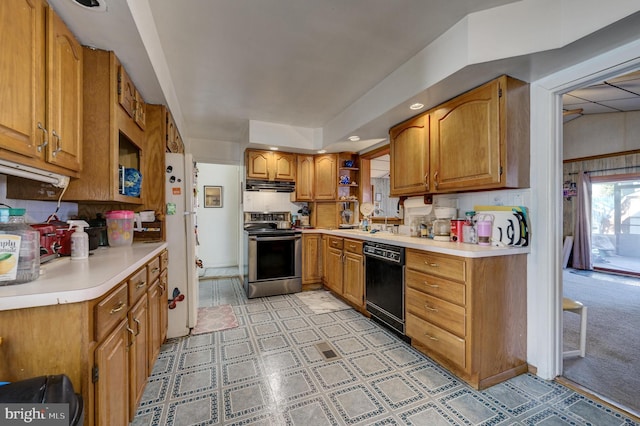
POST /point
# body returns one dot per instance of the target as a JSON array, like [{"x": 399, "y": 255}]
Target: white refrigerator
[{"x": 181, "y": 233}]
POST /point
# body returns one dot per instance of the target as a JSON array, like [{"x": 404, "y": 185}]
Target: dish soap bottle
[{"x": 79, "y": 240}]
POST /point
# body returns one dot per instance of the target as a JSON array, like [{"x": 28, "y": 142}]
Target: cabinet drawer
[
  {"x": 164, "y": 260},
  {"x": 336, "y": 242},
  {"x": 353, "y": 246},
  {"x": 439, "y": 287},
  {"x": 153, "y": 269},
  {"x": 436, "y": 339},
  {"x": 138, "y": 285},
  {"x": 436, "y": 264},
  {"x": 437, "y": 311},
  {"x": 110, "y": 311}
]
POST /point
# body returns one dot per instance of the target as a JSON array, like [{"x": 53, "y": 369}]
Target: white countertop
[
  {"x": 68, "y": 281},
  {"x": 444, "y": 247}
]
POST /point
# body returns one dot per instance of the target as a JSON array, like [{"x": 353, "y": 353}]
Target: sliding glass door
[{"x": 615, "y": 219}]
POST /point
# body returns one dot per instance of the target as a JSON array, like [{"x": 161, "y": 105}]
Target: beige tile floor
[{"x": 268, "y": 371}]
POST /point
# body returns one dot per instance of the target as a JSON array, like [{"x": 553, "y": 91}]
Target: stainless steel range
[{"x": 274, "y": 254}]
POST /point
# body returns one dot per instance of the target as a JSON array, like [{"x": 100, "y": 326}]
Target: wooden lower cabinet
[
  {"x": 469, "y": 314},
  {"x": 333, "y": 263},
  {"x": 343, "y": 271},
  {"x": 138, "y": 352},
  {"x": 111, "y": 402},
  {"x": 353, "y": 278},
  {"x": 107, "y": 346},
  {"x": 311, "y": 259}
]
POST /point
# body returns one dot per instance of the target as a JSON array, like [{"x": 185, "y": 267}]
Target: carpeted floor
[{"x": 611, "y": 366}]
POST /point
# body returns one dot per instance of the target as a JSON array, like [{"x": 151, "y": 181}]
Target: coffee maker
[{"x": 442, "y": 224}]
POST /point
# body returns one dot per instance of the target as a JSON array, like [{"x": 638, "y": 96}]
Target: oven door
[{"x": 274, "y": 257}]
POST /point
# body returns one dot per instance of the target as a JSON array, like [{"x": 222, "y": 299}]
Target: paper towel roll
[{"x": 415, "y": 202}]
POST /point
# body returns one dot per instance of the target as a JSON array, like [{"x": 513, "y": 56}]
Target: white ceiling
[
  {"x": 618, "y": 94},
  {"x": 292, "y": 62}
]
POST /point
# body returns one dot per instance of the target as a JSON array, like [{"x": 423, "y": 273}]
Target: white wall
[
  {"x": 598, "y": 134},
  {"x": 218, "y": 228},
  {"x": 270, "y": 202}
]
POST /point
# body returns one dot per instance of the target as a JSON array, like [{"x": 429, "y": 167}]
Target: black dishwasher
[{"x": 384, "y": 278}]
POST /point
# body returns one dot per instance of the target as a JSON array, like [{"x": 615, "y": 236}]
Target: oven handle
[{"x": 265, "y": 238}]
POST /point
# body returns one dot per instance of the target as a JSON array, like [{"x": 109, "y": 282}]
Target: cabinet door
[
  {"x": 126, "y": 92},
  {"x": 153, "y": 346},
  {"x": 140, "y": 111},
  {"x": 64, "y": 95},
  {"x": 311, "y": 258},
  {"x": 353, "y": 283},
  {"x": 334, "y": 271},
  {"x": 409, "y": 151},
  {"x": 326, "y": 177},
  {"x": 22, "y": 70},
  {"x": 304, "y": 178},
  {"x": 112, "y": 386},
  {"x": 257, "y": 163},
  {"x": 284, "y": 166},
  {"x": 164, "y": 306},
  {"x": 466, "y": 140},
  {"x": 138, "y": 364}
]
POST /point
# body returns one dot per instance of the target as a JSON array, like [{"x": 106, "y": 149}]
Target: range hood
[
  {"x": 15, "y": 169},
  {"x": 270, "y": 186}
]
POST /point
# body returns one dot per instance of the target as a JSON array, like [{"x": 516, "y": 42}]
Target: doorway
[{"x": 610, "y": 364}]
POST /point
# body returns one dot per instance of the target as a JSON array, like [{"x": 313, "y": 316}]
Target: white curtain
[{"x": 582, "y": 229}]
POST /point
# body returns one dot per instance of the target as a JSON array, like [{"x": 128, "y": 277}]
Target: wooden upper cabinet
[
  {"x": 270, "y": 165},
  {"x": 304, "y": 177},
  {"x": 326, "y": 177},
  {"x": 64, "y": 95},
  {"x": 258, "y": 163},
  {"x": 284, "y": 165},
  {"x": 480, "y": 140},
  {"x": 41, "y": 88},
  {"x": 409, "y": 152},
  {"x": 22, "y": 70}
]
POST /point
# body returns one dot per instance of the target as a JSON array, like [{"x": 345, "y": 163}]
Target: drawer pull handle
[
  {"x": 433, "y": 265},
  {"x": 141, "y": 284},
  {"x": 117, "y": 308},
  {"x": 429, "y": 308},
  {"x": 155, "y": 269},
  {"x": 431, "y": 285},
  {"x": 352, "y": 246},
  {"x": 431, "y": 337}
]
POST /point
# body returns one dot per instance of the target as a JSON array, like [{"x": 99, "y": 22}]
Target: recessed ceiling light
[
  {"x": 417, "y": 105},
  {"x": 274, "y": 148},
  {"x": 354, "y": 138},
  {"x": 322, "y": 151}
]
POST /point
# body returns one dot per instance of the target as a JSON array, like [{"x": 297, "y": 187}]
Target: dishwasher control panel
[{"x": 384, "y": 251}]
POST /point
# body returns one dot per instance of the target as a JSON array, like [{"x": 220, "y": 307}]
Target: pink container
[
  {"x": 119, "y": 227},
  {"x": 484, "y": 226}
]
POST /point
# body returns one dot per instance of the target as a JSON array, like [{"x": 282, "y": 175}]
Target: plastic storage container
[
  {"x": 119, "y": 227},
  {"x": 19, "y": 248}
]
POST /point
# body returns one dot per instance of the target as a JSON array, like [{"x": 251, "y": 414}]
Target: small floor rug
[
  {"x": 322, "y": 301},
  {"x": 215, "y": 318}
]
